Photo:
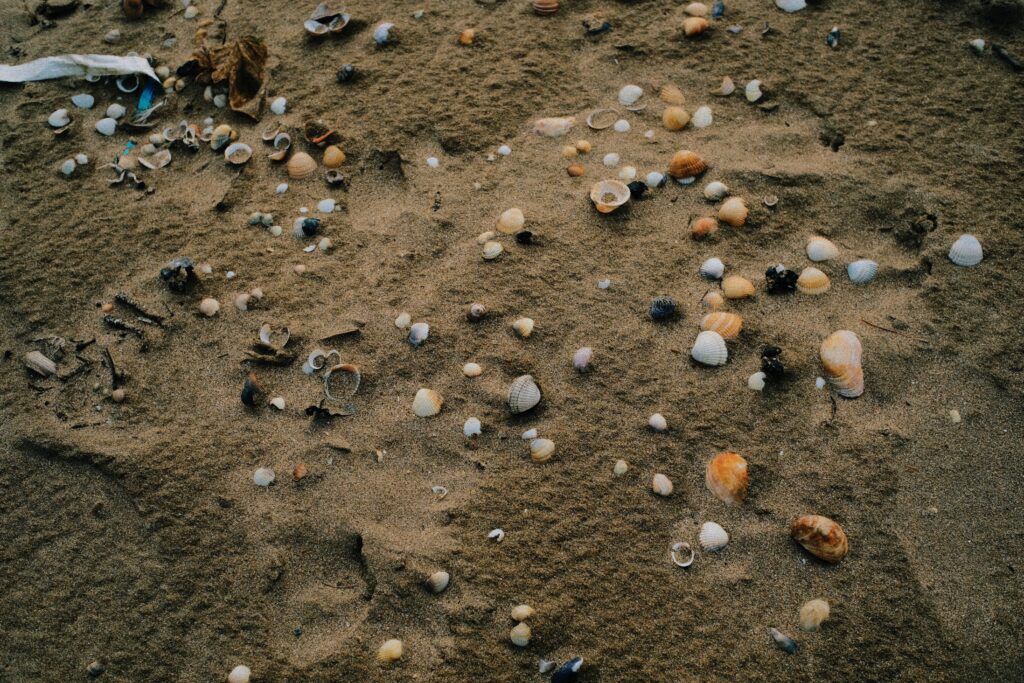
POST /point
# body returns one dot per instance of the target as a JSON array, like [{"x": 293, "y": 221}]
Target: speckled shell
[
  {"x": 966, "y": 251},
  {"x": 524, "y": 394},
  {"x": 609, "y": 195},
  {"x": 545, "y": 6},
  {"x": 686, "y": 164},
  {"x": 726, "y": 324},
  {"x": 726, "y": 477},
  {"x": 713, "y": 537},
  {"x": 733, "y": 211},
  {"x": 675, "y": 118},
  {"x": 694, "y": 26},
  {"x": 841, "y": 358},
  {"x": 821, "y": 537},
  {"x": 812, "y": 281},
  {"x": 301, "y": 165},
  {"x": 820, "y": 249},
  {"x": 862, "y": 272},
  {"x": 710, "y": 349},
  {"x": 702, "y": 227},
  {"x": 736, "y": 287}
]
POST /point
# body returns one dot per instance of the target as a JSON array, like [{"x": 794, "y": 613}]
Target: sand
[{"x": 133, "y": 534}]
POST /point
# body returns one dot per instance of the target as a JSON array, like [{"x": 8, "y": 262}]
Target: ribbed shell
[
  {"x": 713, "y": 268},
  {"x": 333, "y": 157},
  {"x": 713, "y": 537},
  {"x": 670, "y": 94},
  {"x": 427, "y": 403},
  {"x": 821, "y": 537},
  {"x": 812, "y": 281},
  {"x": 726, "y": 324},
  {"x": 545, "y": 6},
  {"x": 726, "y": 477},
  {"x": 686, "y": 164},
  {"x": 609, "y": 195},
  {"x": 301, "y": 165},
  {"x": 820, "y": 249},
  {"x": 541, "y": 450},
  {"x": 524, "y": 394},
  {"x": 675, "y": 118},
  {"x": 702, "y": 227},
  {"x": 710, "y": 349},
  {"x": 736, "y": 287},
  {"x": 841, "y": 357},
  {"x": 862, "y": 272},
  {"x": 966, "y": 251},
  {"x": 733, "y": 211}
]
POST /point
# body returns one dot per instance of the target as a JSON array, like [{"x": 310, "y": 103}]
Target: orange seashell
[
  {"x": 726, "y": 324},
  {"x": 675, "y": 118},
  {"x": 545, "y": 6},
  {"x": 727, "y": 478},
  {"x": 467, "y": 36},
  {"x": 702, "y": 227},
  {"x": 694, "y": 26},
  {"x": 812, "y": 281},
  {"x": 736, "y": 287},
  {"x": 821, "y": 537},
  {"x": 333, "y": 157},
  {"x": 713, "y": 300},
  {"x": 576, "y": 170},
  {"x": 670, "y": 94},
  {"x": 841, "y": 357},
  {"x": 301, "y": 165},
  {"x": 686, "y": 164},
  {"x": 733, "y": 211},
  {"x": 300, "y": 471}
]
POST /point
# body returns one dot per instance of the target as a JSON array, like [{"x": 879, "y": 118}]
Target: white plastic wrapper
[{"x": 62, "y": 66}]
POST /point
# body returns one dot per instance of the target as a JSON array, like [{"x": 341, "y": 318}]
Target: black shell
[
  {"x": 637, "y": 189},
  {"x": 346, "y": 73},
  {"x": 780, "y": 280},
  {"x": 310, "y": 226},
  {"x": 568, "y": 672},
  {"x": 771, "y": 364},
  {"x": 663, "y": 308}
]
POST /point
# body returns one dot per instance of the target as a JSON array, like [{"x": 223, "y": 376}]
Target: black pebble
[
  {"x": 637, "y": 189},
  {"x": 771, "y": 364},
  {"x": 310, "y": 226},
  {"x": 780, "y": 280},
  {"x": 524, "y": 237},
  {"x": 346, "y": 73},
  {"x": 663, "y": 308}
]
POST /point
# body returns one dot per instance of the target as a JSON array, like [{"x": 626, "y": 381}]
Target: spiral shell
[
  {"x": 820, "y": 249},
  {"x": 862, "y": 272},
  {"x": 301, "y": 165},
  {"x": 686, "y": 164},
  {"x": 524, "y": 394},
  {"x": 713, "y": 537},
  {"x": 821, "y": 537},
  {"x": 726, "y": 324},
  {"x": 812, "y": 281},
  {"x": 675, "y": 118},
  {"x": 736, "y": 287},
  {"x": 841, "y": 357},
  {"x": 966, "y": 251},
  {"x": 609, "y": 195},
  {"x": 710, "y": 349},
  {"x": 733, "y": 211},
  {"x": 545, "y": 6},
  {"x": 726, "y": 477}
]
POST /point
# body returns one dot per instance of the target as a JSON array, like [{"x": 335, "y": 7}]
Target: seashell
[
  {"x": 661, "y": 485},
  {"x": 675, "y": 118},
  {"x": 582, "y": 358},
  {"x": 621, "y": 467},
  {"x": 523, "y": 327},
  {"x": 702, "y": 227},
  {"x": 326, "y": 205},
  {"x": 696, "y": 9},
  {"x": 770, "y": 200},
  {"x": 242, "y": 302},
  {"x": 467, "y": 36},
  {"x": 609, "y": 195},
  {"x": 553, "y": 127},
  {"x": 476, "y": 312},
  {"x": 82, "y": 101},
  {"x": 264, "y": 476},
  {"x": 841, "y": 357},
  {"x": 222, "y": 135},
  {"x": 278, "y": 402},
  {"x": 523, "y": 395},
  {"x": 621, "y": 126},
  {"x": 276, "y": 338},
  {"x": 471, "y": 370},
  {"x": 438, "y": 581},
  {"x": 529, "y": 434},
  {"x": 209, "y": 307},
  {"x": 583, "y": 147},
  {"x": 427, "y": 403},
  {"x": 726, "y": 477},
  {"x": 709, "y": 349},
  {"x": 686, "y": 164},
  {"x": 658, "y": 423},
  {"x": 702, "y": 118},
  {"x": 694, "y": 26},
  {"x": 282, "y": 145},
  {"x": 541, "y": 450},
  {"x": 670, "y": 94},
  {"x": 279, "y": 106},
  {"x": 713, "y": 537},
  {"x": 733, "y": 211},
  {"x": 862, "y": 272},
  {"x": 240, "y": 674},
  {"x": 545, "y": 6},
  {"x": 128, "y": 83},
  {"x": 611, "y": 160},
  {"x": 966, "y": 251},
  {"x": 663, "y": 308},
  {"x": 715, "y": 190},
  {"x": 978, "y": 45},
  {"x": 39, "y": 364},
  {"x": 753, "y": 91},
  {"x": 334, "y": 177},
  {"x": 270, "y": 132},
  {"x": 511, "y": 221},
  {"x": 520, "y": 634},
  {"x": 471, "y": 428},
  {"x": 791, "y": 5},
  {"x": 237, "y": 153},
  {"x": 713, "y": 300},
  {"x": 677, "y": 551},
  {"x": 820, "y": 249},
  {"x": 728, "y": 325},
  {"x": 598, "y": 120},
  {"x": 629, "y": 94},
  {"x": 812, "y": 614},
  {"x": 570, "y": 152},
  {"x": 782, "y": 641},
  {"x": 821, "y": 537},
  {"x": 333, "y": 156},
  {"x": 575, "y": 170},
  {"x": 756, "y": 381},
  {"x": 403, "y": 321},
  {"x": 712, "y": 269},
  {"x": 727, "y": 88},
  {"x": 812, "y": 281},
  {"x": 68, "y": 167},
  {"x": 390, "y": 651},
  {"x": 107, "y": 126},
  {"x": 157, "y": 159},
  {"x": 301, "y": 165},
  {"x": 492, "y": 250},
  {"x": 496, "y": 535},
  {"x": 418, "y": 333},
  {"x": 736, "y": 287},
  {"x": 116, "y": 111},
  {"x": 655, "y": 179},
  {"x": 522, "y": 612}
]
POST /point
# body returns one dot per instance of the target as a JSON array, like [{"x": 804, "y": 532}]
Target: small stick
[
  {"x": 122, "y": 325},
  {"x": 887, "y": 329},
  {"x": 138, "y": 309}
]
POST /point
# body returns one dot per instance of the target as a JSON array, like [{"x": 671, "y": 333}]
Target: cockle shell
[
  {"x": 841, "y": 357},
  {"x": 675, "y": 118},
  {"x": 438, "y": 581},
  {"x": 713, "y": 300},
  {"x": 686, "y": 164},
  {"x": 241, "y": 673},
  {"x": 733, "y": 211},
  {"x": 821, "y": 537},
  {"x": 702, "y": 118},
  {"x": 333, "y": 156},
  {"x": 713, "y": 537},
  {"x": 471, "y": 370},
  {"x": 545, "y": 6},
  {"x": 694, "y": 26},
  {"x": 812, "y": 614},
  {"x": 237, "y": 153},
  {"x": 629, "y": 94},
  {"x": 609, "y": 195},
  {"x": 696, "y": 9},
  {"x": 710, "y": 349},
  {"x": 524, "y": 394},
  {"x": 713, "y": 268},
  {"x": 492, "y": 250},
  {"x": 820, "y": 249},
  {"x": 553, "y": 127},
  {"x": 670, "y": 94},
  {"x": 862, "y": 272},
  {"x": 726, "y": 324},
  {"x": 523, "y": 327},
  {"x": 522, "y": 612},
  {"x": 520, "y": 635},
  {"x": 812, "y": 281},
  {"x": 511, "y": 221},
  {"x": 736, "y": 287},
  {"x": 966, "y": 251},
  {"x": 715, "y": 190},
  {"x": 702, "y": 227},
  {"x": 726, "y": 477},
  {"x": 301, "y": 165},
  {"x": 541, "y": 450},
  {"x": 390, "y": 651},
  {"x": 661, "y": 485},
  {"x": 427, "y": 403}
]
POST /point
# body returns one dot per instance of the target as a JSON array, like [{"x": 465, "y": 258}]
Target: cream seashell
[
  {"x": 820, "y": 249},
  {"x": 713, "y": 537},
  {"x": 523, "y": 327},
  {"x": 492, "y": 250},
  {"x": 520, "y": 635},
  {"x": 264, "y": 477},
  {"x": 658, "y": 423},
  {"x": 209, "y": 307},
  {"x": 524, "y": 394},
  {"x": 862, "y": 272},
  {"x": 300, "y": 166},
  {"x": 390, "y": 651},
  {"x": 661, "y": 485},
  {"x": 541, "y": 450},
  {"x": 240, "y": 674},
  {"x": 966, "y": 251},
  {"x": 522, "y": 612},
  {"x": 710, "y": 349},
  {"x": 427, "y": 403},
  {"x": 609, "y": 195},
  {"x": 753, "y": 91},
  {"x": 485, "y": 237},
  {"x": 727, "y": 88},
  {"x": 733, "y": 211},
  {"x": 756, "y": 381},
  {"x": 471, "y": 370},
  {"x": 107, "y": 126},
  {"x": 333, "y": 157},
  {"x": 713, "y": 300},
  {"x": 715, "y": 190},
  {"x": 702, "y": 118},
  {"x": 403, "y": 321},
  {"x": 157, "y": 159},
  {"x": 812, "y": 614},
  {"x": 726, "y": 477},
  {"x": 438, "y": 581},
  {"x": 511, "y": 221},
  {"x": 726, "y": 324},
  {"x": 812, "y": 281},
  {"x": 696, "y": 9},
  {"x": 621, "y": 467},
  {"x": 238, "y": 153},
  {"x": 553, "y": 127},
  {"x": 841, "y": 357},
  {"x": 712, "y": 269},
  {"x": 736, "y": 287},
  {"x": 282, "y": 145},
  {"x": 629, "y": 94}
]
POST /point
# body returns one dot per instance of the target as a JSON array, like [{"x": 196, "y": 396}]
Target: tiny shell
[
  {"x": 242, "y": 301},
  {"x": 403, "y": 320},
  {"x": 418, "y": 333},
  {"x": 476, "y": 312},
  {"x": 966, "y": 251},
  {"x": 582, "y": 358},
  {"x": 621, "y": 467},
  {"x": 427, "y": 403},
  {"x": 570, "y": 152},
  {"x": 736, "y": 287},
  {"x": 713, "y": 300},
  {"x": 694, "y": 26},
  {"x": 726, "y": 324},
  {"x": 264, "y": 476},
  {"x": 654, "y": 179},
  {"x": 511, "y": 221},
  {"x": 107, "y": 126},
  {"x": 116, "y": 111},
  {"x": 157, "y": 159},
  {"x": 609, "y": 195},
  {"x": 523, "y": 327},
  {"x": 658, "y": 423},
  {"x": 438, "y": 581},
  {"x": 583, "y": 147},
  {"x": 240, "y": 674},
  {"x": 675, "y": 118},
  {"x": 541, "y": 450},
  {"x": 238, "y": 153},
  {"x": 278, "y": 402},
  {"x": 492, "y": 250},
  {"x": 753, "y": 91},
  {"x": 524, "y": 394},
  {"x": 715, "y": 190},
  {"x": 520, "y": 635},
  {"x": 529, "y": 434},
  {"x": 333, "y": 157},
  {"x": 301, "y": 165},
  {"x": 611, "y": 160},
  {"x": 713, "y": 537},
  {"x": 471, "y": 370},
  {"x": 390, "y": 651},
  {"x": 661, "y": 485},
  {"x": 545, "y": 6},
  {"x": 467, "y": 36},
  {"x": 727, "y": 478},
  {"x": 812, "y": 614},
  {"x": 696, "y": 9},
  {"x": 576, "y": 170},
  {"x": 712, "y": 269},
  {"x": 59, "y": 119},
  {"x": 821, "y": 249},
  {"x": 553, "y": 127},
  {"x": 703, "y": 227},
  {"x": 709, "y": 349},
  {"x": 841, "y": 357},
  {"x": 821, "y": 537},
  {"x": 733, "y": 211},
  {"x": 686, "y": 164},
  {"x": 522, "y": 612},
  {"x": 68, "y": 167},
  {"x": 702, "y": 118},
  {"x": 496, "y": 535},
  {"x": 727, "y": 88},
  {"x": 678, "y": 548},
  {"x": 812, "y": 281},
  {"x": 782, "y": 641},
  {"x": 862, "y": 272},
  {"x": 209, "y": 307},
  {"x": 471, "y": 427},
  {"x": 756, "y": 381},
  {"x": 629, "y": 94},
  {"x": 670, "y": 94}
]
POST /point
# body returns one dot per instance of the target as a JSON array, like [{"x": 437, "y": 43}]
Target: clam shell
[
  {"x": 862, "y": 272},
  {"x": 686, "y": 164},
  {"x": 658, "y": 423},
  {"x": 812, "y": 614},
  {"x": 238, "y": 153},
  {"x": 812, "y": 281},
  {"x": 523, "y": 327},
  {"x": 609, "y": 195},
  {"x": 520, "y": 633},
  {"x": 694, "y": 26},
  {"x": 712, "y": 269},
  {"x": 841, "y": 357},
  {"x": 390, "y": 651},
  {"x": 264, "y": 476},
  {"x": 522, "y": 612},
  {"x": 733, "y": 211},
  {"x": 821, "y": 537},
  {"x": 820, "y": 249},
  {"x": 545, "y": 6},
  {"x": 418, "y": 333},
  {"x": 511, "y": 221},
  {"x": 492, "y": 250},
  {"x": 107, "y": 126},
  {"x": 523, "y": 395},
  {"x": 703, "y": 227},
  {"x": 301, "y": 165},
  {"x": 333, "y": 156},
  {"x": 157, "y": 159},
  {"x": 282, "y": 145},
  {"x": 736, "y": 287},
  {"x": 726, "y": 324},
  {"x": 709, "y": 349},
  {"x": 726, "y": 477},
  {"x": 675, "y": 118},
  {"x": 713, "y": 537},
  {"x": 661, "y": 485},
  {"x": 438, "y": 581},
  {"x": 541, "y": 450},
  {"x": 427, "y": 403},
  {"x": 82, "y": 101},
  {"x": 670, "y": 94},
  {"x": 966, "y": 251},
  {"x": 715, "y": 190},
  {"x": 629, "y": 94},
  {"x": 702, "y": 118},
  {"x": 713, "y": 300}
]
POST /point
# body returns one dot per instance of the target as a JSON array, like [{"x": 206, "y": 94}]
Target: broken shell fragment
[
  {"x": 966, "y": 251},
  {"x": 737, "y": 287},
  {"x": 541, "y": 450},
  {"x": 753, "y": 91},
  {"x": 821, "y": 249},
  {"x": 523, "y": 327},
  {"x": 782, "y": 641},
  {"x": 277, "y": 402},
  {"x": 821, "y": 537},
  {"x": 427, "y": 403},
  {"x": 841, "y": 357},
  {"x": 733, "y": 211},
  {"x": 39, "y": 364},
  {"x": 609, "y": 195},
  {"x": 157, "y": 159},
  {"x": 726, "y": 477},
  {"x": 812, "y": 614},
  {"x": 496, "y": 535},
  {"x": 727, "y": 88},
  {"x": 524, "y": 394},
  {"x": 713, "y": 537},
  {"x": 686, "y": 164},
  {"x": 862, "y": 272},
  {"x": 702, "y": 118},
  {"x": 390, "y": 651},
  {"x": 520, "y": 635},
  {"x": 709, "y": 349},
  {"x": 757, "y": 381},
  {"x": 553, "y": 127},
  {"x": 726, "y": 324},
  {"x": 282, "y": 145},
  {"x": 344, "y": 379},
  {"x": 682, "y": 554},
  {"x": 812, "y": 281},
  {"x": 240, "y": 674},
  {"x": 438, "y": 581},
  {"x": 237, "y": 153},
  {"x": 661, "y": 485}
]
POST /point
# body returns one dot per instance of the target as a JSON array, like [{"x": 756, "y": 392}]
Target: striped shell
[
  {"x": 726, "y": 477},
  {"x": 821, "y": 537},
  {"x": 812, "y": 281},
  {"x": 670, "y": 94},
  {"x": 524, "y": 394},
  {"x": 545, "y": 6},
  {"x": 736, "y": 287},
  {"x": 713, "y": 268},
  {"x": 710, "y": 349},
  {"x": 301, "y": 165},
  {"x": 733, "y": 211},
  {"x": 821, "y": 249},
  {"x": 726, "y": 324},
  {"x": 713, "y": 537},
  {"x": 686, "y": 164},
  {"x": 966, "y": 251},
  {"x": 841, "y": 358},
  {"x": 862, "y": 272}
]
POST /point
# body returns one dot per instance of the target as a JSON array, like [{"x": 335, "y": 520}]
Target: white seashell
[
  {"x": 281, "y": 189},
  {"x": 240, "y": 674},
  {"x": 471, "y": 428},
  {"x": 627, "y": 173},
  {"x": 621, "y": 467},
  {"x": 59, "y": 118},
  {"x": 220, "y": 100},
  {"x": 83, "y": 101},
  {"x": 713, "y": 269},
  {"x": 471, "y": 370},
  {"x": 753, "y": 91},
  {"x": 820, "y": 249},
  {"x": 523, "y": 327},
  {"x": 81, "y": 159},
  {"x": 191, "y": 12},
  {"x": 604, "y": 284},
  {"x": 325, "y": 244},
  {"x": 433, "y": 162},
  {"x": 106, "y": 126},
  {"x": 209, "y": 307},
  {"x": 264, "y": 476},
  {"x": 978, "y": 44},
  {"x": 715, "y": 190},
  {"x": 629, "y": 94},
  {"x": 390, "y": 651},
  {"x": 702, "y": 118},
  {"x": 496, "y": 535},
  {"x": 326, "y": 205},
  {"x": 820, "y": 383},
  {"x": 276, "y": 231},
  {"x": 403, "y": 320},
  {"x": 382, "y": 33},
  {"x": 504, "y": 150},
  {"x": 529, "y": 434},
  {"x": 427, "y": 403},
  {"x": 862, "y": 272},
  {"x": 111, "y": 37},
  {"x": 116, "y": 111},
  {"x": 438, "y": 581},
  {"x": 418, "y": 333},
  {"x": 610, "y": 160},
  {"x": 581, "y": 359},
  {"x": 523, "y": 395},
  {"x": 621, "y": 126},
  {"x": 655, "y": 179},
  {"x": 756, "y": 381},
  {"x": 713, "y": 536},
  {"x": 966, "y": 251},
  {"x": 277, "y": 402},
  {"x": 242, "y": 302},
  {"x": 492, "y": 250},
  {"x": 316, "y": 361},
  {"x": 661, "y": 485},
  {"x": 68, "y": 167},
  {"x": 279, "y": 105},
  {"x": 790, "y": 5},
  {"x": 658, "y": 423},
  {"x": 710, "y": 349},
  {"x": 677, "y": 555},
  {"x": 520, "y": 635},
  {"x": 237, "y": 153},
  {"x": 541, "y": 450}
]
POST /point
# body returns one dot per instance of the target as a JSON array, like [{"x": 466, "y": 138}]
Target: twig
[{"x": 902, "y": 334}]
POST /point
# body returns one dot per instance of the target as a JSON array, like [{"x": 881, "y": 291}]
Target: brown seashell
[
  {"x": 726, "y": 324},
  {"x": 132, "y": 8},
  {"x": 702, "y": 227},
  {"x": 333, "y": 157},
  {"x": 670, "y": 94},
  {"x": 733, "y": 211},
  {"x": 576, "y": 170},
  {"x": 727, "y": 478},
  {"x": 545, "y": 6},
  {"x": 694, "y": 26},
  {"x": 301, "y": 165},
  {"x": 841, "y": 357},
  {"x": 736, "y": 287},
  {"x": 686, "y": 164},
  {"x": 821, "y": 537},
  {"x": 675, "y": 118},
  {"x": 467, "y": 37},
  {"x": 300, "y": 471}
]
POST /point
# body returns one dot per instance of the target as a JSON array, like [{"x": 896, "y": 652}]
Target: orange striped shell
[
  {"x": 686, "y": 164},
  {"x": 841, "y": 357},
  {"x": 726, "y": 324},
  {"x": 545, "y": 6}
]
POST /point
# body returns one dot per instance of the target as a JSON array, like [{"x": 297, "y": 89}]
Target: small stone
[
  {"x": 954, "y": 416},
  {"x": 95, "y": 668},
  {"x": 112, "y": 37},
  {"x": 117, "y": 395}
]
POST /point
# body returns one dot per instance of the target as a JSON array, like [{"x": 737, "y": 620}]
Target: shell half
[
  {"x": 812, "y": 281},
  {"x": 710, "y": 349},
  {"x": 713, "y": 537},
  {"x": 609, "y": 195},
  {"x": 841, "y": 357},
  {"x": 728, "y": 325},
  {"x": 524, "y": 394},
  {"x": 966, "y": 251},
  {"x": 820, "y": 249}
]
